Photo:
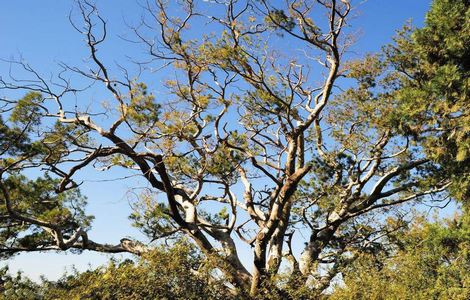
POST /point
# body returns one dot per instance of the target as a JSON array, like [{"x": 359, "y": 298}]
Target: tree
[
  {"x": 247, "y": 127},
  {"x": 433, "y": 99},
  {"x": 159, "y": 274},
  {"x": 424, "y": 261},
  {"x": 16, "y": 287}
]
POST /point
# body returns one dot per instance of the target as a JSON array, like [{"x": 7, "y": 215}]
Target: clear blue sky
[{"x": 39, "y": 31}]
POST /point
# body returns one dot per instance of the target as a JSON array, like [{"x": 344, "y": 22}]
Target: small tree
[{"x": 261, "y": 131}]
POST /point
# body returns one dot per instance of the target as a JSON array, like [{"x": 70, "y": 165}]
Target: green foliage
[
  {"x": 37, "y": 198},
  {"x": 142, "y": 109},
  {"x": 425, "y": 261},
  {"x": 17, "y": 287},
  {"x": 435, "y": 85},
  {"x": 176, "y": 272},
  {"x": 12, "y": 140},
  {"x": 57, "y": 141},
  {"x": 417, "y": 89},
  {"x": 150, "y": 216},
  {"x": 27, "y": 109},
  {"x": 278, "y": 18}
]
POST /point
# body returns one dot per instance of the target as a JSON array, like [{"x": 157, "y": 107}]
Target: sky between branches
[{"x": 39, "y": 32}]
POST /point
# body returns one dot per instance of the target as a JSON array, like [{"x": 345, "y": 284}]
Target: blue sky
[{"x": 39, "y": 32}]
